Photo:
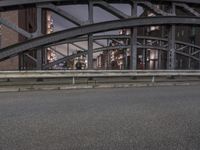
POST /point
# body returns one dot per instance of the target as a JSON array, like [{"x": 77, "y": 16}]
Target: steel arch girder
[
  {"x": 13, "y": 50},
  {"x": 4, "y": 4}
]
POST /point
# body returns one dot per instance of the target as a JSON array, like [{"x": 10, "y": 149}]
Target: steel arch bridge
[{"x": 165, "y": 15}]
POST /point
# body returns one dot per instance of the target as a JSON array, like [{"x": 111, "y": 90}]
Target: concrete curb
[{"x": 85, "y": 86}]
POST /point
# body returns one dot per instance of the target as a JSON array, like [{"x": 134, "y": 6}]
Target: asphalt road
[{"x": 151, "y": 118}]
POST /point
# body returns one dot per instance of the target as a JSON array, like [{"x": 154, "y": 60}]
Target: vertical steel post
[
  {"x": 189, "y": 59},
  {"x": 39, "y": 59},
  {"x": 144, "y": 55},
  {"x": 21, "y": 63},
  {"x": 133, "y": 57},
  {"x": 160, "y": 55},
  {"x": 125, "y": 59},
  {"x": 160, "y": 60},
  {"x": 109, "y": 55},
  {"x": 199, "y": 61},
  {"x": 90, "y": 37},
  {"x": 172, "y": 46},
  {"x": 67, "y": 49},
  {"x": 39, "y": 32}
]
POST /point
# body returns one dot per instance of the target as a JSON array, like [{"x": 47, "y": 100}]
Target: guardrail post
[
  {"x": 73, "y": 81},
  {"x": 153, "y": 79}
]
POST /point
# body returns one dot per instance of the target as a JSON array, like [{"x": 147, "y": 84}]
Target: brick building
[
  {"x": 9, "y": 37},
  {"x": 25, "y": 19}
]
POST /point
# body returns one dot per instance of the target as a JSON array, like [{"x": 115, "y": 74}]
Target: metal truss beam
[
  {"x": 6, "y": 4},
  {"x": 93, "y": 28},
  {"x": 57, "y": 51},
  {"x": 111, "y": 9},
  {"x": 99, "y": 37},
  {"x": 123, "y": 37},
  {"x": 182, "y": 48},
  {"x": 31, "y": 57},
  {"x": 98, "y": 43},
  {"x": 155, "y": 9},
  {"x": 80, "y": 47},
  {"x": 118, "y": 37},
  {"x": 188, "y": 8},
  {"x": 194, "y": 53},
  {"x": 62, "y": 13},
  {"x": 117, "y": 41},
  {"x": 120, "y": 47},
  {"x": 15, "y": 28}
]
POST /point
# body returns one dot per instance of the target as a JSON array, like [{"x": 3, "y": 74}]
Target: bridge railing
[{"x": 96, "y": 73}]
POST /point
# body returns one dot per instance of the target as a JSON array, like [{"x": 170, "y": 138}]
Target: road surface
[{"x": 147, "y": 118}]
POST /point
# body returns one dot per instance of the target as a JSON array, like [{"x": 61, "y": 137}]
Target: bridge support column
[
  {"x": 90, "y": 37},
  {"x": 90, "y": 52},
  {"x": 172, "y": 45},
  {"x": 38, "y": 33},
  {"x": 171, "y": 52},
  {"x": 144, "y": 56},
  {"x": 133, "y": 57}
]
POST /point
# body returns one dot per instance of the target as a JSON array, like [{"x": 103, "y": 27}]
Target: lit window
[{"x": 153, "y": 28}]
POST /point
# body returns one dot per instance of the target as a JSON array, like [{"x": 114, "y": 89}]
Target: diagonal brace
[
  {"x": 76, "y": 45},
  {"x": 188, "y": 8},
  {"x": 104, "y": 5},
  {"x": 62, "y": 13},
  {"x": 15, "y": 28},
  {"x": 154, "y": 8}
]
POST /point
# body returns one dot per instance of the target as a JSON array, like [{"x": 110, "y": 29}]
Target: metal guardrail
[{"x": 96, "y": 73}]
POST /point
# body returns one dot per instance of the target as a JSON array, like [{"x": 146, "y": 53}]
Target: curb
[{"x": 99, "y": 86}]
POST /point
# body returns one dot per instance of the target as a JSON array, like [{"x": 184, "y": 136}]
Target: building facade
[{"x": 9, "y": 37}]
